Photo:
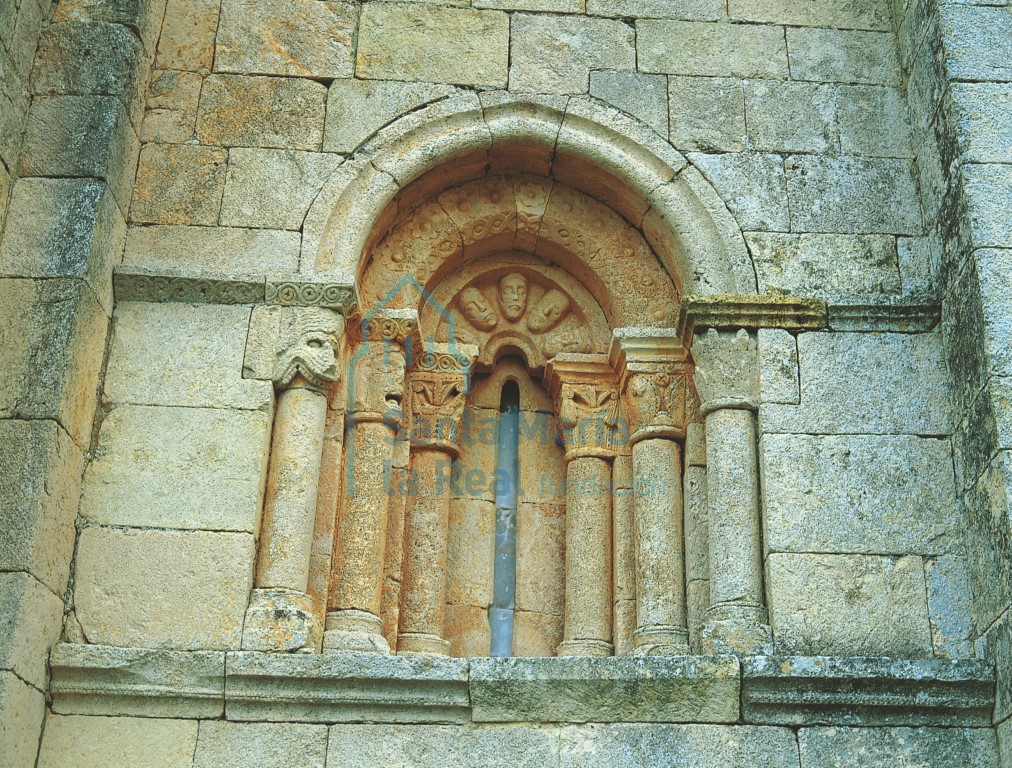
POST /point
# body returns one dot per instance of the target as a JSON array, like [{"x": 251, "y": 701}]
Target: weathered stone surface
[
  {"x": 187, "y": 38},
  {"x": 833, "y": 56},
  {"x": 163, "y": 589},
  {"x": 555, "y": 6},
  {"x": 902, "y": 388},
  {"x": 949, "y": 606},
  {"x": 187, "y": 468},
  {"x": 887, "y": 747},
  {"x": 752, "y": 184},
  {"x": 22, "y": 709},
  {"x": 886, "y": 494},
  {"x": 40, "y": 474},
  {"x": 581, "y": 690},
  {"x": 213, "y": 249},
  {"x": 642, "y": 96},
  {"x": 984, "y": 430},
  {"x": 707, "y": 114},
  {"x": 412, "y": 746},
  {"x": 179, "y": 184},
  {"x": 117, "y": 742},
  {"x": 985, "y": 189},
  {"x": 103, "y": 680},
  {"x": 691, "y": 10},
  {"x": 692, "y": 746},
  {"x": 301, "y": 38},
  {"x": 848, "y": 605},
  {"x": 356, "y": 109},
  {"x": 171, "y": 112},
  {"x": 721, "y": 50},
  {"x": 31, "y": 619},
  {"x": 778, "y": 366},
  {"x": 552, "y": 54},
  {"x": 141, "y": 16},
  {"x": 178, "y": 354},
  {"x": 872, "y": 121},
  {"x": 442, "y": 45},
  {"x": 978, "y": 42},
  {"x": 82, "y": 136},
  {"x": 95, "y": 58},
  {"x": 820, "y": 690},
  {"x": 63, "y": 228},
  {"x": 345, "y": 688},
  {"x": 266, "y": 745},
  {"x": 53, "y": 338},
  {"x": 993, "y": 267},
  {"x": 273, "y": 188},
  {"x": 790, "y": 117},
  {"x": 988, "y": 504},
  {"x": 855, "y": 14},
  {"x": 995, "y": 645},
  {"x": 825, "y": 266},
  {"x": 977, "y": 112},
  {"x": 282, "y": 112},
  {"x": 852, "y": 195}
]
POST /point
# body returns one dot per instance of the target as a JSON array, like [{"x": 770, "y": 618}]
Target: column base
[
  {"x": 354, "y": 631},
  {"x": 280, "y": 620},
  {"x": 596, "y": 648},
  {"x": 742, "y": 630},
  {"x": 422, "y": 644},
  {"x": 661, "y": 641}
]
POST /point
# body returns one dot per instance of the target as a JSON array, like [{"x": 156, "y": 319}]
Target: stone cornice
[{"x": 731, "y": 312}]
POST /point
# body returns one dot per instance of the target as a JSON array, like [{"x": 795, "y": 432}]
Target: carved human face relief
[
  {"x": 549, "y": 312},
  {"x": 476, "y": 309},
  {"x": 513, "y": 296}
]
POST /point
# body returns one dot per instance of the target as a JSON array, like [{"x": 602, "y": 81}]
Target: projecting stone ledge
[
  {"x": 682, "y": 689},
  {"x": 345, "y": 688},
  {"x": 817, "y": 690}
]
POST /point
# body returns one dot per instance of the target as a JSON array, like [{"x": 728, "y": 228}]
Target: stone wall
[{"x": 862, "y": 149}]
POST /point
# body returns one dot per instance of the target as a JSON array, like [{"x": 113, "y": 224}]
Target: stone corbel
[{"x": 299, "y": 347}]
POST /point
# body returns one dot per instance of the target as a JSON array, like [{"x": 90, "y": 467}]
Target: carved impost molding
[
  {"x": 440, "y": 381},
  {"x": 294, "y": 346},
  {"x": 585, "y": 391},
  {"x": 655, "y": 378},
  {"x": 391, "y": 326},
  {"x": 727, "y": 371},
  {"x": 340, "y": 297},
  {"x": 731, "y": 311}
]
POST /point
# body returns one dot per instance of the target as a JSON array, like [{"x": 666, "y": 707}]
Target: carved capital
[
  {"x": 585, "y": 390},
  {"x": 439, "y": 386},
  {"x": 656, "y": 399},
  {"x": 726, "y": 370},
  {"x": 294, "y": 346},
  {"x": 376, "y": 384},
  {"x": 294, "y": 293}
]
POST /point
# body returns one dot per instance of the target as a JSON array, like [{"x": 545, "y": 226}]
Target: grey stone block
[
  {"x": 806, "y": 690},
  {"x": 985, "y": 195},
  {"x": 874, "y": 494},
  {"x": 720, "y": 50},
  {"x": 790, "y": 117},
  {"x": 855, "y": 14},
  {"x": 839, "y": 56},
  {"x": 903, "y": 386},
  {"x": 31, "y": 619},
  {"x": 117, "y": 742},
  {"x": 978, "y": 42},
  {"x": 989, "y": 507},
  {"x": 687, "y": 746},
  {"x": 580, "y": 690},
  {"x": 264, "y": 745},
  {"x": 872, "y": 121},
  {"x": 752, "y": 184},
  {"x": 642, "y": 96},
  {"x": 890, "y": 747},
  {"x": 345, "y": 688},
  {"x": 978, "y": 115},
  {"x": 215, "y": 250},
  {"x": 852, "y": 195},
  {"x": 995, "y": 646},
  {"x": 691, "y": 10},
  {"x": 949, "y": 606},
  {"x": 778, "y": 366},
  {"x": 103, "y": 680},
  {"x": 707, "y": 113},
  {"x": 415, "y": 746},
  {"x": 22, "y": 709},
  {"x": 142, "y": 17}
]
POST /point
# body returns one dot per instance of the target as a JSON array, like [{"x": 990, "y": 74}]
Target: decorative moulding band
[
  {"x": 344, "y": 688},
  {"x": 141, "y": 285},
  {"x": 731, "y": 312}
]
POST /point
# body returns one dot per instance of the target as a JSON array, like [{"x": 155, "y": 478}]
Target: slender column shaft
[
  {"x": 624, "y": 554},
  {"x": 423, "y": 602},
  {"x": 660, "y": 554},
  {"x": 733, "y": 502},
  {"x": 292, "y": 482},
  {"x": 588, "y": 616}
]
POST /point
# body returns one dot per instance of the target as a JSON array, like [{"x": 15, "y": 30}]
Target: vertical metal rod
[{"x": 504, "y": 583}]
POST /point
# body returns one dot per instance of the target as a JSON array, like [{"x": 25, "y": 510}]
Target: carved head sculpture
[
  {"x": 315, "y": 334},
  {"x": 549, "y": 312},
  {"x": 379, "y": 381},
  {"x": 476, "y": 309},
  {"x": 513, "y": 296}
]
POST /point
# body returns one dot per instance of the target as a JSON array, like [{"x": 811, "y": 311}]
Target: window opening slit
[{"x": 504, "y": 581}]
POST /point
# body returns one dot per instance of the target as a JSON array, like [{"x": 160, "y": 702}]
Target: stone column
[
  {"x": 439, "y": 384},
  {"x": 588, "y": 408},
  {"x": 373, "y": 422},
  {"x": 655, "y": 393},
  {"x": 280, "y": 616},
  {"x": 727, "y": 380}
]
